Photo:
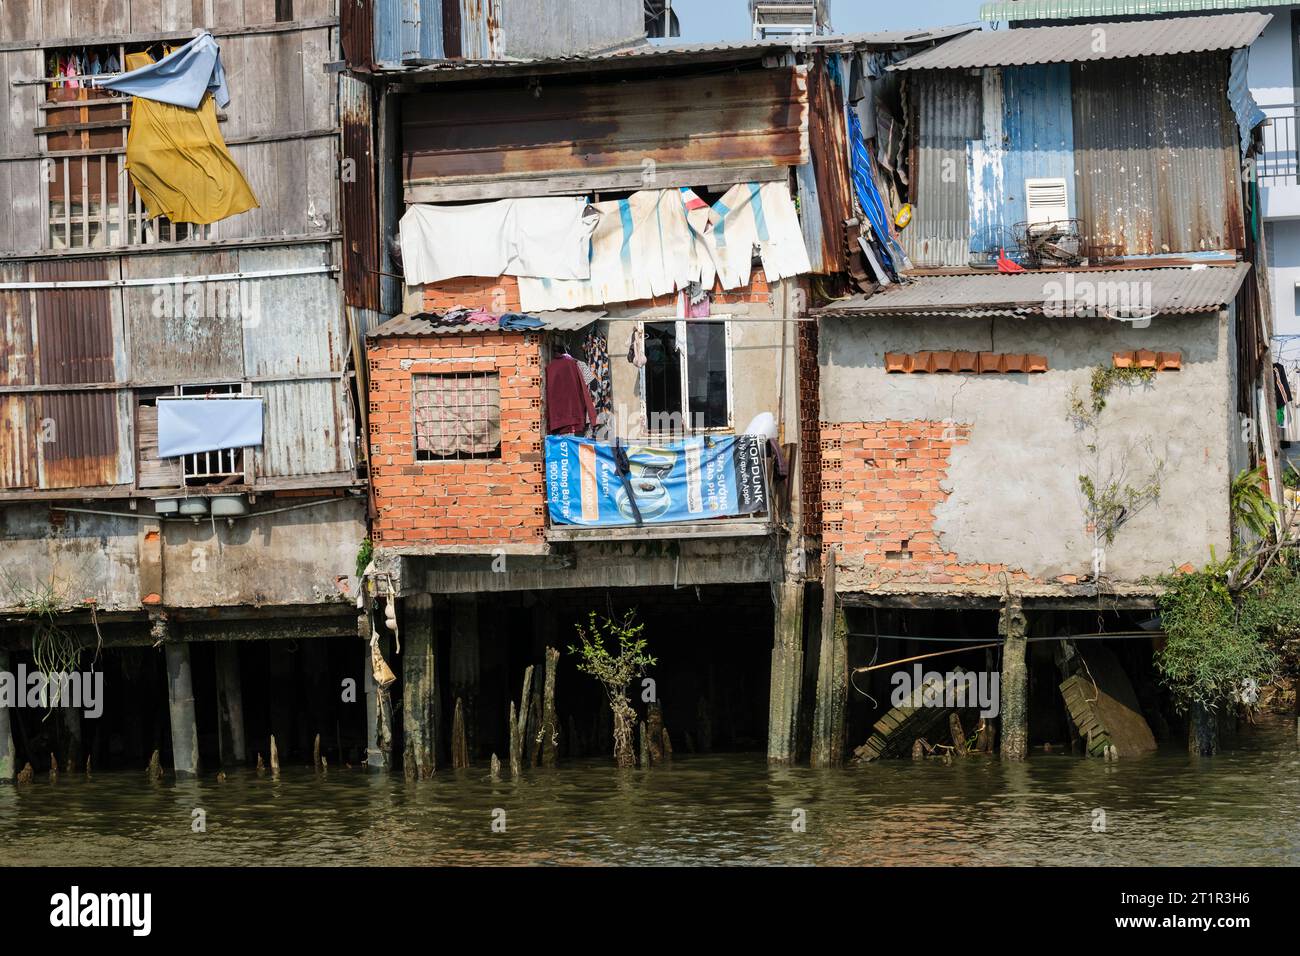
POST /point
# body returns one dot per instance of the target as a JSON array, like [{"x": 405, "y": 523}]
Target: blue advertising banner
[{"x": 688, "y": 480}]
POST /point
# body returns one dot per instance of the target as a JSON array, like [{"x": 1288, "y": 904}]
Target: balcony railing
[{"x": 1278, "y": 164}]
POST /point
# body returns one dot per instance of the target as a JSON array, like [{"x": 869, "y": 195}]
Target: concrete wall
[
  {"x": 305, "y": 556},
  {"x": 1005, "y": 476}
]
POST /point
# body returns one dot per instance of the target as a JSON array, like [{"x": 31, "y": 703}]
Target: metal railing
[{"x": 1278, "y": 165}]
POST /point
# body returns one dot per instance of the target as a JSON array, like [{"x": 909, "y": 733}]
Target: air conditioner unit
[{"x": 1047, "y": 202}]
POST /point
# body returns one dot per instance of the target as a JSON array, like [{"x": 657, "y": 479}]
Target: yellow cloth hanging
[{"x": 178, "y": 161}]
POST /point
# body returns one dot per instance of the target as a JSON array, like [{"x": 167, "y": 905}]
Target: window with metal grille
[
  {"x": 223, "y": 466},
  {"x": 89, "y": 198},
  {"x": 457, "y": 416}
]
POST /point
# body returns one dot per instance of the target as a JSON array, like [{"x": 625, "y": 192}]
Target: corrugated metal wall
[
  {"x": 487, "y": 140},
  {"x": 361, "y": 264},
  {"x": 1147, "y": 147},
  {"x": 1156, "y": 148},
  {"x": 947, "y": 116},
  {"x": 284, "y": 337}
]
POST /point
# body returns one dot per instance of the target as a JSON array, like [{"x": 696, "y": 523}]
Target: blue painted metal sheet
[
  {"x": 408, "y": 29},
  {"x": 1028, "y": 134}
]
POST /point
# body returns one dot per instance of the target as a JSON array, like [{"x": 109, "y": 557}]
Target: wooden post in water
[
  {"x": 645, "y": 747},
  {"x": 71, "y": 721},
  {"x": 379, "y": 709},
  {"x": 520, "y": 743},
  {"x": 230, "y": 706},
  {"x": 7, "y": 767},
  {"x": 787, "y": 673},
  {"x": 459, "y": 743},
  {"x": 832, "y": 677},
  {"x": 180, "y": 701},
  {"x": 654, "y": 727},
  {"x": 465, "y": 665},
  {"x": 419, "y": 687},
  {"x": 516, "y": 744},
  {"x": 550, "y": 722},
  {"x": 1202, "y": 731},
  {"x": 275, "y": 758},
  {"x": 1014, "y": 690}
]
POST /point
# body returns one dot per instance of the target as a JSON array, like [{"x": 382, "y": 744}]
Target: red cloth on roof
[{"x": 568, "y": 400}]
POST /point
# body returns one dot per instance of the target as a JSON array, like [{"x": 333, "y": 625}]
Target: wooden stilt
[
  {"x": 832, "y": 677},
  {"x": 1014, "y": 689},
  {"x": 315, "y": 755},
  {"x": 230, "y": 706},
  {"x": 645, "y": 747},
  {"x": 494, "y": 768},
  {"x": 419, "y": 687},
  {"x": 786, "y": 682},
  {"x": 516, "y": 744},
  {"x": 465, "y": 666},
  {"x": 958, "y": 735},
  {"x": 655, "y": 729},
  {"x": 275, "y": 758},
  {"x": 550, "y": 722},
  {"x": 459, "y": 741},
  {"x": 7, "y": 762},
  {"x": 1202, "y": 731}
]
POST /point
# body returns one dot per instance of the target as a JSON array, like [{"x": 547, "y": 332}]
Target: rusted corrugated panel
[
  {"x": 481, "y": 34},
  {"x": 81, "y": 434},
  {"x": 357, "y": 33},
  {"x": 489, "y": 137},
  {"x": 360, "y": 210},
  {"x": 828, "y": 135},
  {"x": 305, "y": 432},
  {"x": 1159, "y": 175},
  {"x": 947, "y": 114},
  {"x": 17, "y": 367}
]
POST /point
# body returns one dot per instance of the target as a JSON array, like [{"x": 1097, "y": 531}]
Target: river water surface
[{"x": 1240, "y": 808}]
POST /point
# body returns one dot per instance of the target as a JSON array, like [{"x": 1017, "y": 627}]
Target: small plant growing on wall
[
  {"x": 56, "y": 649},
  {"x": 614, "y": 652},
  {"x": 1119, "y": 484}
]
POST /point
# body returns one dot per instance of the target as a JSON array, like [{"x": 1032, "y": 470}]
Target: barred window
[{"x": 457, "y": 416}]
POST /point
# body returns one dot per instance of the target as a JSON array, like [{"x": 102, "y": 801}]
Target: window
[
  {"x": 688, "y": 376},
  {"x": 90, "y": 201},
  {"x": 226, "y": 466},
  {"x": 457, "y": 417}
]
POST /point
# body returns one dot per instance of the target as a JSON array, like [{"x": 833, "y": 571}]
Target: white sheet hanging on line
[
  {"x": 544, "y": 237},
  {"x": 751, "y": 215},
  {"x": 642, "y": 247},
  {"x": 190, "y": 425}
]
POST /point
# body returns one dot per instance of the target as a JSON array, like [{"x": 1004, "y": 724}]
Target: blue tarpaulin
[
  {"x": 190, "y": 425},
  {"x": 687, "y": 480}
]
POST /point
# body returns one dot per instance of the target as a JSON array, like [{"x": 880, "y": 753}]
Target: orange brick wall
[
  {"x": 484, "y": 502},
  {"x": 881, "y": 482},
  {"x": 502, "y": 295}
]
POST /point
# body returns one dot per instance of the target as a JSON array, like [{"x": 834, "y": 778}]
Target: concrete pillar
[
  {"x": 832, "y": 677},
  {"x": 419, "y": 687},
  {"x": 787, "y": 674},
  {"x": 230, "y": 706},
  {"x": 379, "y": 711},
  {"x": 465, "y": 665},
  {"x": 1014, "y": 702},
  {"x": 180, "y": 701},
  {"x": 7, "y": 769}
]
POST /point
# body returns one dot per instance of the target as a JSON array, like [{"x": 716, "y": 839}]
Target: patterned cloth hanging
[{"x": 602, "y": 389}]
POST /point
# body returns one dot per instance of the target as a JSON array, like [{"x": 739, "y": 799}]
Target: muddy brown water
[{"x": 1240, "y": 808}]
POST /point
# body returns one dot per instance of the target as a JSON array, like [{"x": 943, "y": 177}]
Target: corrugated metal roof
[
  {"x": 1168, "y": 291},
  {"x": 1081, "y": 42},
  {"x": 1074, "y": 9},
  {"x": 648, "y": 53},
  {"x": 420, "y": 324}
]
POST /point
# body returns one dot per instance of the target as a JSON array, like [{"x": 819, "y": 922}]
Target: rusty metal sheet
[
  {"x": 1160, "y": 175},
  {"x": 578, "y": 132},
  {"x": 361, "y": 266},
  {"x": 831, "y": 183},
  {"x": 81, "y": 435},
  {"x": 17, "y": 367},
  {"x": 357, "y": 33}
]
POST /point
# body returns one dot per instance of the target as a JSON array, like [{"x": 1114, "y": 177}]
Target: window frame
[
  {"x": 459, "y": 457},
  {"x": 683, "y": 357}
]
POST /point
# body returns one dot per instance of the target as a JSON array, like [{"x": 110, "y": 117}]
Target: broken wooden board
[
  {"x": 897, "y": 729},
  {"x": 1104, "y": 708}
]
